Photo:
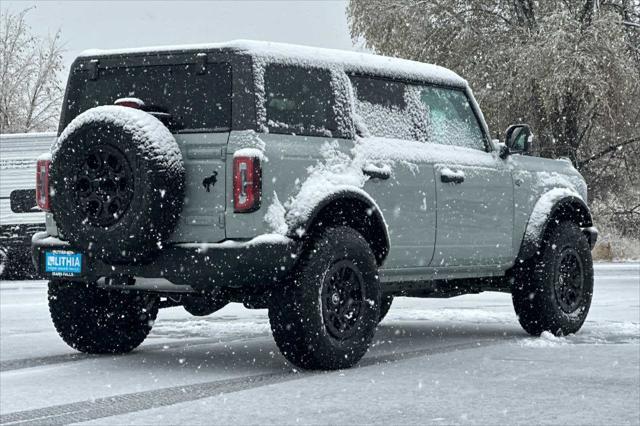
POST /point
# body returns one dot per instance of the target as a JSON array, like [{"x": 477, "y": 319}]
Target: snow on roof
[{"x": 313, "y": 56}]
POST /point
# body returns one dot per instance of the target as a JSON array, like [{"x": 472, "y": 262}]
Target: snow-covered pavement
[{"x": 463, "y": 360}]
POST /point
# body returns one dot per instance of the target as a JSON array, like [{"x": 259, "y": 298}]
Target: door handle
[
  {"x": 377, "y": 172},
  {"x": 449, "y": 176}
]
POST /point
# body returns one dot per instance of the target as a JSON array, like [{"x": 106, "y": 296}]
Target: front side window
[
  {"x": 299, "y": 100},
  {"x": 452, "y": 119}
]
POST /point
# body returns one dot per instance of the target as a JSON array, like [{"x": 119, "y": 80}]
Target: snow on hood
[{"x": 312, "y": 56}]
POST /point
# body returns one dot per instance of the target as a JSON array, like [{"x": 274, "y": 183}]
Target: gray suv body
[{"x": 316, "y": 183}]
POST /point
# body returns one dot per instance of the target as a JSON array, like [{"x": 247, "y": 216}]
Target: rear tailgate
[{"x": 197, "y": 96}]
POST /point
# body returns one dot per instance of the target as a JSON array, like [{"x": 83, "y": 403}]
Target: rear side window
[
  {"x": 452, "y": 119},
  {"x": 196, "y": 101},
  {"x": 375, "y": 91},
  {"x": 389, "y": 109},
  {"x": 299, "y": 100}
]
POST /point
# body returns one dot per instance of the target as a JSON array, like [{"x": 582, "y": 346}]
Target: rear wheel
[
  {"x": 553, "y": 291},
  {"x": 327, "y": 315},
  {"x": 99, "y": 321}
]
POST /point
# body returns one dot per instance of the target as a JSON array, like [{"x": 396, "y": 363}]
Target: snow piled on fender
[
  {"x": 542, "y": 210},
  {"x": 275, "y": 216},
  {"x": 145, "y": 128},
  {"x": 339, "y": 172}
]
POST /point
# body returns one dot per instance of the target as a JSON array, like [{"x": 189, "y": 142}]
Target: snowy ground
[{"x": 463, "y": 360}]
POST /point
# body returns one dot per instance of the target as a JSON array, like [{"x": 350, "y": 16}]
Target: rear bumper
[{"x": 262, "y": 261}]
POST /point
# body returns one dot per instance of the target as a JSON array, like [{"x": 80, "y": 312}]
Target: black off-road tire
[
  {"x": 548, "y": 293},
  {"x": 385, "y": 304},
  {"x": 326, "y": 316},
  {"x": 98, "y": 321},
  {"x": 118, "y": 180}
]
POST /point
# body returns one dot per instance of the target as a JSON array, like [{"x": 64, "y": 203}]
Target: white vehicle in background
[{"x": 20, "y": 217}]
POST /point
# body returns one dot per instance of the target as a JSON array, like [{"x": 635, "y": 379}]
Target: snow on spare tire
[{"x": 117, "y": 179}]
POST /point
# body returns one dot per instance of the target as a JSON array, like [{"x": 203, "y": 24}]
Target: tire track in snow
[
  {"x": 17, "y": 364},
  {"x": 127, "y": 403}
]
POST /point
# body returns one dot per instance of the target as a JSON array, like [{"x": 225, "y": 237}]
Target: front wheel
[
  {"x": 553, "y": 291},
  {"x": 99, "y": 321},
  {"x": 385, "y": 305},
  {"x": 326, "y": 316}
]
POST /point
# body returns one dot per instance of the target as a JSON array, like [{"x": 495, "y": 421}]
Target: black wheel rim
[
  {"x": 569, "y": 281},
  {"x": 104, "y": 185},
  {"x": 343, "y": 300}
]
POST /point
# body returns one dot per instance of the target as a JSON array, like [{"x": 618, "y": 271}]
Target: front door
[
  {"x": 474, "y": 213},
  {"x": 474, "y": 191}
]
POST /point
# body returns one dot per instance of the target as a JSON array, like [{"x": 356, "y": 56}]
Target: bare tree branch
[
  {"x": 30, "y": 88},
  {"x": 609, "y": 150}
]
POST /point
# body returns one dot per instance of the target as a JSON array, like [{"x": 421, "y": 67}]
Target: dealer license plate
[{"x": 63, "y": 263}]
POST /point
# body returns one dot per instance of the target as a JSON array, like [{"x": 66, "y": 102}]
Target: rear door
[
  {"x": 474, "y": 188},
  {"x": 196, "y": 93},
  {"x": 406, "y": 194}
]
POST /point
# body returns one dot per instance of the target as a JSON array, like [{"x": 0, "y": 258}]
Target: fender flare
[
  {"x": 554, "y": 205},
  {"x": 376, "y": 232}
]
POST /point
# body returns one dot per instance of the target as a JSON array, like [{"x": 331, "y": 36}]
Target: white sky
[{"x": 117, "y": 24}]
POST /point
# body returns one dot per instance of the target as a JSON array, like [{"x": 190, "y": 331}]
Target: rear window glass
[
  {"x": 195, "y": 101},
  {"x": 299, "y": 100}
]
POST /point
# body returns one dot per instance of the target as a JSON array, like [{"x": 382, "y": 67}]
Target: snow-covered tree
[
  {"x": 569, "y": 68},
  {"x": 30, "y": 88}
]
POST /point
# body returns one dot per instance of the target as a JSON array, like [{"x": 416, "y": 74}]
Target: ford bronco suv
[{"x": 318, "y": 184}]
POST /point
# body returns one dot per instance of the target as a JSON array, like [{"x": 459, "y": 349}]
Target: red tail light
[
  {"x": 247, "y": 184},
  {"x": 42, "y": 184}
]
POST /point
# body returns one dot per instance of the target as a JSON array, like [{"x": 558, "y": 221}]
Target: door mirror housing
[
  {"x": 519, "y": 139},
  {"x": 503, "y": 151}
]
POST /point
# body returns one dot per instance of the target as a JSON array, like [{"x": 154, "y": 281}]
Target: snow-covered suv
[{"x": 318, "y": 184}]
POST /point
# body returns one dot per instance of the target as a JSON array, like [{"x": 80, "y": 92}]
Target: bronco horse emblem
[{"x": 210, "y": 181}]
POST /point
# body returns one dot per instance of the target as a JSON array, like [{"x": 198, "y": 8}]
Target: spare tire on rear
[{"x": 117, "y": 180}]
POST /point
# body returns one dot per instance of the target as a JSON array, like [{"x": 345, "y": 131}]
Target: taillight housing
[
  {"x": 247, "y": 184},
  {"x": 42, "y": 184}
]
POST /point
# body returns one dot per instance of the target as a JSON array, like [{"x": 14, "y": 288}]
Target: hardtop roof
[{"x": 349, "y": 61}]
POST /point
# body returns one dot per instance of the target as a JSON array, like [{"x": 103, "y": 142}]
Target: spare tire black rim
[
  {"x": 104, "y": 185},
  {"x": 342, "y": 299},
  {"x": 569, "y": 281}
]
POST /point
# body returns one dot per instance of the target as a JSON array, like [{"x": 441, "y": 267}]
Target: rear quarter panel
[{"x": 284, "y": 169}]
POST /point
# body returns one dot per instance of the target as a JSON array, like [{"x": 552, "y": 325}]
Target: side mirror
[
  {"x": 23, "y": 201},
  {"x": 519, "y": 139}
]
